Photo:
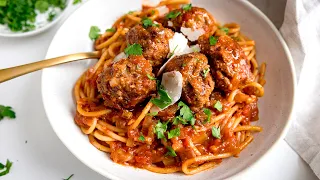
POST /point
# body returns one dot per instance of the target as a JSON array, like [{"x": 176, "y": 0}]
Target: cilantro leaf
[
  {"x": 7, "y": 168},
  {"x": 170, "y": 152},
  {"x": 208, "y": 113},
  {"x": 76, "y": 2},
  {"x": 216, "y": 132},
  {"x": 6, "y": 111},
  {"x": 173, "y": 14},
  {"x": 42, "y": 6},
  {"x": 205, "y": 72},
  {"x": 174, "y": 133},
  {"x": 212, "y": 40},
  {"x": 160, "y": 128},
  {"x": 134, "y": 49},
  {"x": 152, "y": 114},
  {"x": 147, "y": 22},
  {"x": 141, "y": 138},
  {"x": 69, "y": 177},
  {"x": 151, "y": 77},
  {"x": 94, "y": 32},
  {"x": 187, "y": 7},
  {"x": 164, "y": 100},
  {"x": 218, "y": 106},
  {"x": 111, "y": 30},
  {"x": 225, "y": 29},
  {"x": 186, "y": 113}
]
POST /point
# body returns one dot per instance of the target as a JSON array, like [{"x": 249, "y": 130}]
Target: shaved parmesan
[
  {"x": 162, "y": 10},
  {"x": 119, "y": 57},
  {"x": 172, "y": 83},
  {"x": 192, "y": 35},
  {"x": 170, "y": 24}
]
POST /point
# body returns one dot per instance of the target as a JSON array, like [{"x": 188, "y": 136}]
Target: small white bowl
[
  {"x": 40, "y": 29},
  {"x": 275, "y": 107}
]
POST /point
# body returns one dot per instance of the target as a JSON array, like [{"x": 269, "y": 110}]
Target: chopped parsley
[
  {"x": 152, "y": 114},
  {"x": 76, "y": 2},
  {"x": 134, "y": 49},
  {"x": 111, "y": 30},
  {"x": 94, "y": 32},
  {"x": 69, "y": 177},
  {"x": 205, "y": 72},
  {"x": 151, "y": 77},
  {"x": 179, "y": 119},
  {"x": 212, "y": 40},
  {"x": 52, "y": 15},
  {"x": 187, "y": 7},
  {"x": 171, "y": 152},
  {"x": 5, "y": 169},
  {"x": 160, "y": 128},
  {"x": 141, "y": 138},
  {"x": 186, "y": 113},
  {"x": 174, "y": 133},
  {"x": 147, "y": 22},
  {"x": 173, "y": 14},
  {"x": 208, "y": 113},
  {"x": 171, "y": 54},
  {"x": 6, "y": 111},
  {"x": 164, "y": 100},
  {"x": 225, "y": 29},
  {"x": 42, "y": 6},
  {"x": 218, "y": 106},
  {"x": 216, "y": 132}
]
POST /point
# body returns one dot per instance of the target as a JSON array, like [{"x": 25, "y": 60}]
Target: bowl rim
[
  {"x": 270, "y": 149},
  {"x": 39, "y": 30}
]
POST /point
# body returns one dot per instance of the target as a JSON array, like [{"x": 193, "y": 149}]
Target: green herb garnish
[
  {"x": 216, "y": 132},
  {"x": 218, "y": 106},
  {"x": 69, "y": 177},
  {"x": 179, "y": 119},
  {"x": 142, "y": 138},
  {"x": 164, "y": 99},
  {"x": 225, "y": 29},
  {"x": 212, "y": 40},
  {"x": 160, "y": 128},
  {"x": 5, "y": 169},
  {"x": 171, "y": 54},
  {"x": 174, "y": 133},
  {"x": 187, "y": 7},
  {"x": 147, "y": 22},
  {"x": 170, "y": 152},
  {"x": 6, "y": 111},
  {"x": 152, "y": 114},
  {"x": 205, "y": 72},
  {"x": 186, "y": 113},
  {"x": 151, "y": 77},
  {"x": 111, "y": 30},
  {"x": 173, "y": 14},
  {"x": 76, "y": 2},
  {"x": 208, "y": 113},
  {"x": 94, "y": 32},
  {"x": 134, "y": 49}
]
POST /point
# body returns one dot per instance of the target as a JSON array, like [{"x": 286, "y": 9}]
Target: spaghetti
[{"x": 129, "y": 135}]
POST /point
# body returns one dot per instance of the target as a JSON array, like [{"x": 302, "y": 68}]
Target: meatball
[
  {"x": 125, "y": 83},
  {"x": 197, "y": 81},
  {"x": 154, "y": 41},
  {"x": 195, "y": 18},
  {"x": 230, "y": 66}
]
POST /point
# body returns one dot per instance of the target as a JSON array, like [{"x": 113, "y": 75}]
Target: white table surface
[{"x": 36, "y": 151}]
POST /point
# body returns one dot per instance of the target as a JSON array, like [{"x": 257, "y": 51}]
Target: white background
[{"x": 36, "y": 151}]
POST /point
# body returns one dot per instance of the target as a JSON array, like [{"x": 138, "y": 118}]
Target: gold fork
[{"x": 13, "y": 72}]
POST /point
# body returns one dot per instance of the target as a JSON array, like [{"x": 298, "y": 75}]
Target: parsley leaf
[
  {"x": 205, "y": 72},
  {"x": 186, "y": 113},
  {"x": 42, "y": 6},
  {"x": 7, "y": 168},
  {"x": 151, "y": 77},
  {"x": 94, "y": 32},
  {"x": 218, "y": 106},
  {"x": 111, "y": 30},
  {"x": 212, "y": 40},
  {"x": 170, "y": 152},
  {"x": 216, "y": 132},
  {"x": 141, "y": 138},
  {"x": 152, "y": 114},
  {"x": 3, "y": 3},
  {"x": 160, "y": 128},
  {"x": 51, "y": 15},
  {"x": 225, "y": 29},
  {"x": 134, "y": 49},
  {"x": 174, "y": 133},
  {"x": 76, "y": 2},
  {"x": 69, "y": 177},
  {"x": 179, "y": 119},
  {"x": 6, "y": 111},
  {"x": 173, "y": 14},
  {"x": 187, "y": 7},
  {"x": 164, "y": 100},
  {"x": 208, "y": 113},
  {"x": 147, "y": 22}
]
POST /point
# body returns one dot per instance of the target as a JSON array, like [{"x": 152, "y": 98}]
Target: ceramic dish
[{"x": 275, "y": 107}]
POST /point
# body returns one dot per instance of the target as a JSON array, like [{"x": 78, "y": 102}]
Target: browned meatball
[
  {"x": 125, "y": 83},
  {"x": 195, "y": 18},
  {"x": 230, "y": 67},
  {"x": 168, "y": 113},
  {"x": 154, "y": 41},
  {"x": 197, "y": 81}
]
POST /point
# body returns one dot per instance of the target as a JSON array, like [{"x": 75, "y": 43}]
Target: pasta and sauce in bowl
[{"x": 174, "y": 91}]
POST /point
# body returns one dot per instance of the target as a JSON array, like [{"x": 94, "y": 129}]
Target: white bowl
[
  {"x": 37, "y": 30},
  {"x": 275, "y": 107}
]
